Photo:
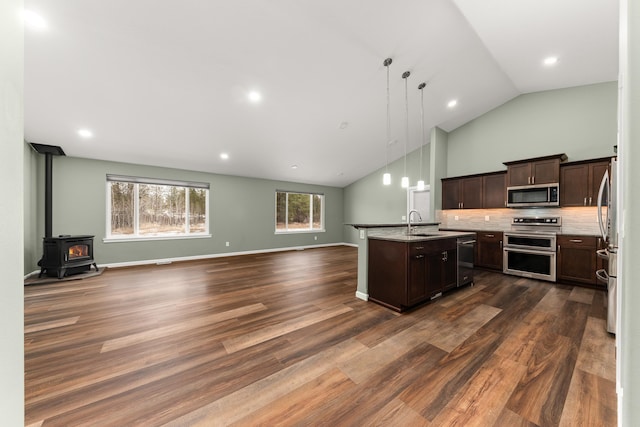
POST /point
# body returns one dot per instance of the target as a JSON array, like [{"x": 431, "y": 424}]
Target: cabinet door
[
  {"x": 416, "y": 287},
  {"x": 494, "y": 191},
  {"x": 433, "y": 273},
  {"x": 489, "y": 244},
  {"x": 451, "y": 194},
  {"x": 577, "y": 259},
  {"x": 574, "y": 185},
  {"x": 387, "y": 278},
  {"x": 472, "y": 193},
  {"x": 545, "y": 171},
  {"x": 449, "y": 269},
  {"x": 519, "y": 174}
]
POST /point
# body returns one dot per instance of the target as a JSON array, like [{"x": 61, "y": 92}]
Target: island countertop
[
  {"x": 422, "y": 236},
  {"x": 403, "y": 224}
]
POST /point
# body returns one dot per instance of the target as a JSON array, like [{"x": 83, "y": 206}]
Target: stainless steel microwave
[{"x": 539, "y": 195}]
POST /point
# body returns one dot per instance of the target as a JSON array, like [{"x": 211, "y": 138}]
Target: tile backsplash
[{"x": 580, "y": 220}]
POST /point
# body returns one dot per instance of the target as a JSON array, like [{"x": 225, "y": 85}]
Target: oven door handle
[{"x": 528, "y": 251}]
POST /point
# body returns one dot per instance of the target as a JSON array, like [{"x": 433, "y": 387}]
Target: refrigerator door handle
[{"x": 603, "y": 227}]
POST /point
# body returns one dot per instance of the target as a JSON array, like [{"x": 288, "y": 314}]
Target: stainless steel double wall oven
[{"x": 530, "y": 247}]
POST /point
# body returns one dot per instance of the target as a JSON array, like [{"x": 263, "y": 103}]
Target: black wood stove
[
  {"x": 66, "y": 255},
  {"x": 63, "y": 255}
]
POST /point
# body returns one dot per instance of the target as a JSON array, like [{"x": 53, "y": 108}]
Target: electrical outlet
[
  {"x": 404, "y": 217},
  {"x": 315, "y": 237},
  {"x": 455, "y": 218},
  {"x": 486, "y": 217},
  {"x": 362, "y": 234},
  {"x": 227, "y": 244}
]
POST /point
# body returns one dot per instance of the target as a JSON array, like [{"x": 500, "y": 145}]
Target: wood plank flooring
[{"x": 280, "y": 339}]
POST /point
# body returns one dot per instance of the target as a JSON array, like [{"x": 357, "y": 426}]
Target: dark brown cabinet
[
  {"x": 494, "y": 192},
  {"x": 580, "y": 182},
  {"x": 462, "y": 193},
  {"x": 401, "y": 275},
  {"x": 489, "y": 250},
  {"x": 576, "y": 259},
  {"x": 541, "y": 170}
]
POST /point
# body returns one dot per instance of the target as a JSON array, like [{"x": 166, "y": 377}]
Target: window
[
  {"x": 297, "y": 212},
  {"x": 140, "y": 208}
]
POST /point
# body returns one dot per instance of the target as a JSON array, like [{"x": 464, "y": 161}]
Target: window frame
[
  {"x": 322, "y": 228},
  {"x": 137, "y": 181}
]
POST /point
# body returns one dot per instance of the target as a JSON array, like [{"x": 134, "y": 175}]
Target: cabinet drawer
[
  {"x": 489, "y": 236},
  {"x": 578, "y": 242}
]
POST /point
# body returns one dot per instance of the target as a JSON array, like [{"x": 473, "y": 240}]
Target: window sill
[
  {"x": 305, "y": 231},
  {"x": 154, "y": 238}
]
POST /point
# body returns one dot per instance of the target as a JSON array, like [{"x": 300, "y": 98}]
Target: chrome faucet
[{"x": 409, "y": 220}]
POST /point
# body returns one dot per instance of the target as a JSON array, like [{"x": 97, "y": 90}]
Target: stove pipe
[{"x": 49, "y": 151}]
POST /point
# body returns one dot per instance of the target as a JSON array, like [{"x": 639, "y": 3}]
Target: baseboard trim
[
  {"x": 362, "y": 296},
  {"x": 219, "y": 255}
]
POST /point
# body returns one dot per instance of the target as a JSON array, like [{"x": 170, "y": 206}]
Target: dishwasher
[{"x": 466, "y": 249}]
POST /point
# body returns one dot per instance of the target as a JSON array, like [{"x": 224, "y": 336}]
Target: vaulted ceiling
[{"x": 166, "y": 82}]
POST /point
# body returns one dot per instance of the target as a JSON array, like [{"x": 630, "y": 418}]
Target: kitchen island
[{"x": 400, "y": 267}]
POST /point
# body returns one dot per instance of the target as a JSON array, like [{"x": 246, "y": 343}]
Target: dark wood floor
[{"x": 280, "y": 339}]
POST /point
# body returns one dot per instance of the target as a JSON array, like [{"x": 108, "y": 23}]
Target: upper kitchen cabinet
[
  {"x": 494, "y": 190},
  {"x": 462, "y": 193},
  {"x": 580, "y": 182},
  {"x": 541, "y": 170}
]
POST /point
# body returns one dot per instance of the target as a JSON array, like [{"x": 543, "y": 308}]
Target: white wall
[{"x": 11, "y": 215}]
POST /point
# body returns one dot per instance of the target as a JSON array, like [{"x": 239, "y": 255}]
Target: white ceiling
[{"x": 164, "y": 82}]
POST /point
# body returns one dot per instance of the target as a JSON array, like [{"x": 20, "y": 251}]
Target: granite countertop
[
  {"x": 429, "y": 235},
  {"x": 402, "y": 224}
]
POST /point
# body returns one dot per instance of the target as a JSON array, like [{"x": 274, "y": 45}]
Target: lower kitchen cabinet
[
  {"x": 576, "y": 259},
  {"x": 401, "y": 274},
  {"x": 489, "y": 250}
]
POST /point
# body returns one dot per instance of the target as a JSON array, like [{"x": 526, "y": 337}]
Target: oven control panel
[{"x": 555, "y": 220}]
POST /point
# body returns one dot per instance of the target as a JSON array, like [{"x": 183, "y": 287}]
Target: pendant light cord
[
  {"x": 387, "y": 63},
  {"x": 405, "y": 76},
  {"x": 421, "y": 87}
]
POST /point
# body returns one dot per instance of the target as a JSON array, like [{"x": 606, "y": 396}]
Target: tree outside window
[{"x": 299, "y": 211}]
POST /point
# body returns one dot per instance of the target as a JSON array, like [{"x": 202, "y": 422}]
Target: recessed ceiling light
[
  {"x": 85, "y": 133},
  {"x": 344, "y": 125},
  {"x": 224, "y": 156},
  {"x": 33, "y": 21},
  {"x": 254, "y": 96},
  {"x": 294, "y": 166},
  {"x": 550, "y": 60},
  {"x": 452, "y": 103}
]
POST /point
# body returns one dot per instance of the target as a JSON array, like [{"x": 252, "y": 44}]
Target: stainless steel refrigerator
[{"x": 607, "y": 205}]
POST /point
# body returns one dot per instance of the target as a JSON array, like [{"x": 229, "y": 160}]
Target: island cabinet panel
[
  {"x": 404, "y": 274},
  {"x": 576, "y": 259},
  {"x": 489, "y": 250},
  {"x": 580, "y": 182},
  {"x": 541, "y": 170},
  {"x": 494, "y": 194}
]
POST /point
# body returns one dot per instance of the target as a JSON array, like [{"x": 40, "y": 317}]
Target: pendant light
[
  {"x": 421, "y": 87},
  {"x": 405, "y": 179},
  {"x": 386, "y": 178}
]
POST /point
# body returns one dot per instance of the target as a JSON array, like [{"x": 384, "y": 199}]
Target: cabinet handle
[
  {"x": 489, "y": 235},
  {"x": 419, "y": 256},
  {"x": 589, "y": 200},
  {"x": 585, "y": 202},
  {"x": 533, "y": 179},
  {"x": 528, "y": 180},
  {"x": 558, "y": 248},
  {"x": 462, "y": 205},
  {"x": 505, "y": 203},
  {"x": 576, "y": 240},
  {"x": 419, "y": 248},
  {"x": 599, "y": 242},
  {"x": 500, "y": 244}
]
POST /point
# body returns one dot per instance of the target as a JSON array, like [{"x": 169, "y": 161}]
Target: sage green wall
[
  {"x": 579, "y": 121},
  {"x": 11, "y": 214},
  {"x": 32, "y": 228},
  {"x": 369, "y": 201},
  {"x": 242, "y": 212},
  {"x": 629, "y": 330}
]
